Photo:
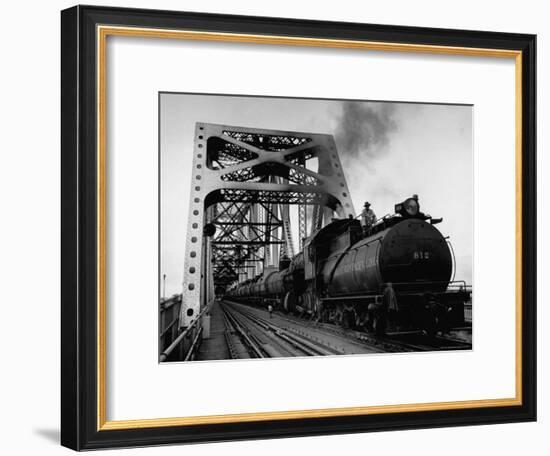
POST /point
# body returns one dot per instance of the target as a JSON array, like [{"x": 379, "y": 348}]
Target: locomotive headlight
[
  {"x": 408, "y": 208},
  {"x": 411, "y": 206}
]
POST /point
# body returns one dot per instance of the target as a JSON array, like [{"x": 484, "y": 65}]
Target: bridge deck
[{"x": 215, "y": 347}]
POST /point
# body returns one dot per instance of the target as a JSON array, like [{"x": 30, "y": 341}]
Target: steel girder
[{"x": 243, "y": 181}]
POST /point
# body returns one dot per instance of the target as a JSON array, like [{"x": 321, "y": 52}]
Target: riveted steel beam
[{"x": 243, "y": 182}]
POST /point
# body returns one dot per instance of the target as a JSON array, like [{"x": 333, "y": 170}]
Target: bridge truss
[{"x": 244, "y": 182}]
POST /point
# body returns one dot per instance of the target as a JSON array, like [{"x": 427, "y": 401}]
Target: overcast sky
[{"x": 388, "y": 150}]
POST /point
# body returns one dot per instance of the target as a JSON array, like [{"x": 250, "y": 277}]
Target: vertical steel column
[
  {"x": 274, "y": 232},
  {"x": 302, "y": 211},
  {"x": 287, "y": 248}
]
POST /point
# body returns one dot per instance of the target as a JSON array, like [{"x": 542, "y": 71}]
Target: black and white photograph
[
  {"x": 297, "y": 227},
  {"x": 275, "y": 228}
]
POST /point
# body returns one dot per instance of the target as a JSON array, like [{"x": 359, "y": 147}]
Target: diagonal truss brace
[{"x": 256, "y": 172}]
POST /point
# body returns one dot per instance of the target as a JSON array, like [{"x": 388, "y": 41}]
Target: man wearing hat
[{"x": 368, "y": 217}]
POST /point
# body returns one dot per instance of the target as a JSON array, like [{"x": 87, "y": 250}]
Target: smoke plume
[{"x": 363, "y": 129}]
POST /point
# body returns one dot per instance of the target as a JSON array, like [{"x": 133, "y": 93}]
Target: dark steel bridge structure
[{"x": 245, "y": 184}]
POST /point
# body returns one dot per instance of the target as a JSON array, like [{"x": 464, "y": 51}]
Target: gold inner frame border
[{"x": 102, "y": 32}]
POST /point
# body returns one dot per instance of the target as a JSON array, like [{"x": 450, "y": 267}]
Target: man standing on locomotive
[{"x": 368, "y": 217}]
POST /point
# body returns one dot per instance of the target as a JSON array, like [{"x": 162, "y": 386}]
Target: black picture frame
[{"x": 79, "y": 200}]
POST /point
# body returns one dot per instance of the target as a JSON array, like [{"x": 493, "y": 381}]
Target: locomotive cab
[{"x": 337, "y": 236}]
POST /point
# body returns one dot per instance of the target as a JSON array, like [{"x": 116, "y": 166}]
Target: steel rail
[
  {"x": 270, "y": 351},
  {"x": 242, "y": 333},
  {"x": 298, "y": 342},
  {"x": 275, "y": 335},
  {"x": 391, "y": 342},
  {"x": 228, "y": 329}
]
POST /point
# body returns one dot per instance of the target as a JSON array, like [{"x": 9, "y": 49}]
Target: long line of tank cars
[{"x": 394, "y": 276}]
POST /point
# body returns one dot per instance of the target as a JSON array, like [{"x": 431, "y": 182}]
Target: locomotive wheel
[
  {"x": 312, "y": 305},
  {"x": 348, "y": 318}
]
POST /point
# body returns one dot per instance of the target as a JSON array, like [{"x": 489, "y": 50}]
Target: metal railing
[
  {"x": 168, "y": 302},
  {"x": 187, "y": 331}
]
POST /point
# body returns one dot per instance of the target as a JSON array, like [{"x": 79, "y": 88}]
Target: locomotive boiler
[{"x": 392, "y": 276}]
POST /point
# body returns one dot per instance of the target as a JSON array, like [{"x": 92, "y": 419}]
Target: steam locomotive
[{"x": 395, "y": 275}]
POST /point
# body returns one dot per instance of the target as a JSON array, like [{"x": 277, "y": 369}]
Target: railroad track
[
  {"x": 380, "y": 345},
  {"x": 267, "y": 340},
  {"x": 423, "y": 342},
  {"x": 234, "y": 326},
  {"x": 413, "y": 341}
]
